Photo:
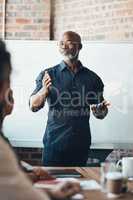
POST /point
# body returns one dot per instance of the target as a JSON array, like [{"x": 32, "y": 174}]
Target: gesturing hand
[
  {"x": 100, "y": 110},
  {"x": 46, "y": 82},
  {"x": 101, "y": 106}
]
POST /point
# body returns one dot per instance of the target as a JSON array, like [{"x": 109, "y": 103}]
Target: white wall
[{"x": 112, "y": 62}]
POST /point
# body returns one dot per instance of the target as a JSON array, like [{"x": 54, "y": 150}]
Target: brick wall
[
  {"x": 27, "y": 19},
  {"x": 117, "y": 154},
  {"x": 34, "y": 155},
  {"x": 1, "y": 14},
  {"x": 31, "y": 155},
  {"x": 94, "y": 19}
]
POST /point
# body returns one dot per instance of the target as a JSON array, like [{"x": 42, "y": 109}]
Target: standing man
[{"x": 70, "y": 89}]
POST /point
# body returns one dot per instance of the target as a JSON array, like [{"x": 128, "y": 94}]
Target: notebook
[{"x": 65, "y": 173}]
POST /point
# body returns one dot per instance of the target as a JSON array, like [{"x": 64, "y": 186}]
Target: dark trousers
[{"x": 73, "y": 157}]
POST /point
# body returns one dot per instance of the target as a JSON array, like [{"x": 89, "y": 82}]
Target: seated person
[
  {"x": 37, "y": 172},
  {"x": 14, "y": 184}
]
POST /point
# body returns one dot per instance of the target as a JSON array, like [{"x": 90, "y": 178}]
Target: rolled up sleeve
[{"x": 37, "y": 88}]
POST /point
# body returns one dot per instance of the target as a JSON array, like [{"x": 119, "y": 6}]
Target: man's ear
[
  {"x": 3, "y": 89},
  {"x": 9, "y": 103},
  {"x": 1, "y": 94},
  {"x": 80, "y": 46}
]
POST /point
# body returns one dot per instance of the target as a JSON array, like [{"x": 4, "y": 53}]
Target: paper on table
[
  {"x": 50, "y": 183},
  {"x": 85, "y": 184},
  {"x": 77, "y": 196},
  {"x": 90, "y": 185}
]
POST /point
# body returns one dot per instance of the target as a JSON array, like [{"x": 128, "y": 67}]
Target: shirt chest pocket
[
  {"x": 84, "y": 90},
  {"x": 60, "y": 92}
]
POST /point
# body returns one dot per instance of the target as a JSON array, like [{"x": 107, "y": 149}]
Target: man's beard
[{"x": 70, "y": 56}]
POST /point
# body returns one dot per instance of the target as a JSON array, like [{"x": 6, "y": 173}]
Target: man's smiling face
[{"x": 70, "y": 46}]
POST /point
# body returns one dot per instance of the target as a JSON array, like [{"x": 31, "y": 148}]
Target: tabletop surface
[
  {"x": 94, "y": 173},
  {"x": 34, "y": 143}
]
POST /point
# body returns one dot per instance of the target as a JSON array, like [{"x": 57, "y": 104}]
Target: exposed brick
[
  {"x": 37, "y": 156},
  {"x": 1, "y": 14},
  {"x": 28, "y": 16},
  {"x": 118, "y": 154},
  {"x": 93, "y": 19},
  {"x": 31, "y": 155},
  {"x": 23, "y": 21}
]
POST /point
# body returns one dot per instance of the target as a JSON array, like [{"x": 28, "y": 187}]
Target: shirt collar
[{"x": 63, "y": 65}]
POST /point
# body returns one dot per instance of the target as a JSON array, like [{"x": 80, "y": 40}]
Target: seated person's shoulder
[{"x": 7, "y": 156}]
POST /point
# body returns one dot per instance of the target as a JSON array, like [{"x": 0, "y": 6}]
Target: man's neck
[{"x": 73, "y": 65}]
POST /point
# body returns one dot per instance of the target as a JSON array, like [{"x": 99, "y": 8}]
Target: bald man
[{"x": 70, "y": 90}]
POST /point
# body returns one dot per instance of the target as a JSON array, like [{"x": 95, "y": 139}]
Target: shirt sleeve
[
  {"x": 99, "y": 88},
  {"x": 37, "y": 88},
  {"x": 38, "y": 83}
]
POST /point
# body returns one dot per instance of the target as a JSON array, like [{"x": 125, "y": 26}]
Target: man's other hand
[
  {"x": 65, "y": 190},
  {"x": 42, "y": 174},
  {"x": 100, "y": 110}
]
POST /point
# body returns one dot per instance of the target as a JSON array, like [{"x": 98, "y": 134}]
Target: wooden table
[{"x": 94, "y": 173}]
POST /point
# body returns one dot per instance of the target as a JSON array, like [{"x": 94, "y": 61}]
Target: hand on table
[
  {"x": 39, "y": 173},
  {"x": 65, "y": 190}
]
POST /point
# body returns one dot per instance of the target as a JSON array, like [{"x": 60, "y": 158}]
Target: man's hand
[
  {"x": 41, "y": 173},
  {"x": 65, "y": 190},
  {"x": 101, "y": 106},
  {"x": 100, "y": 110},
  {"x": 46, "y": 82}
]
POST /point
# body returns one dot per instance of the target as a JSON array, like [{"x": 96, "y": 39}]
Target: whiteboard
[{"x": 113, "y": 62}]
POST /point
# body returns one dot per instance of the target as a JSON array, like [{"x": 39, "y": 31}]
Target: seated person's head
[{"x": 6, "y": 100}]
